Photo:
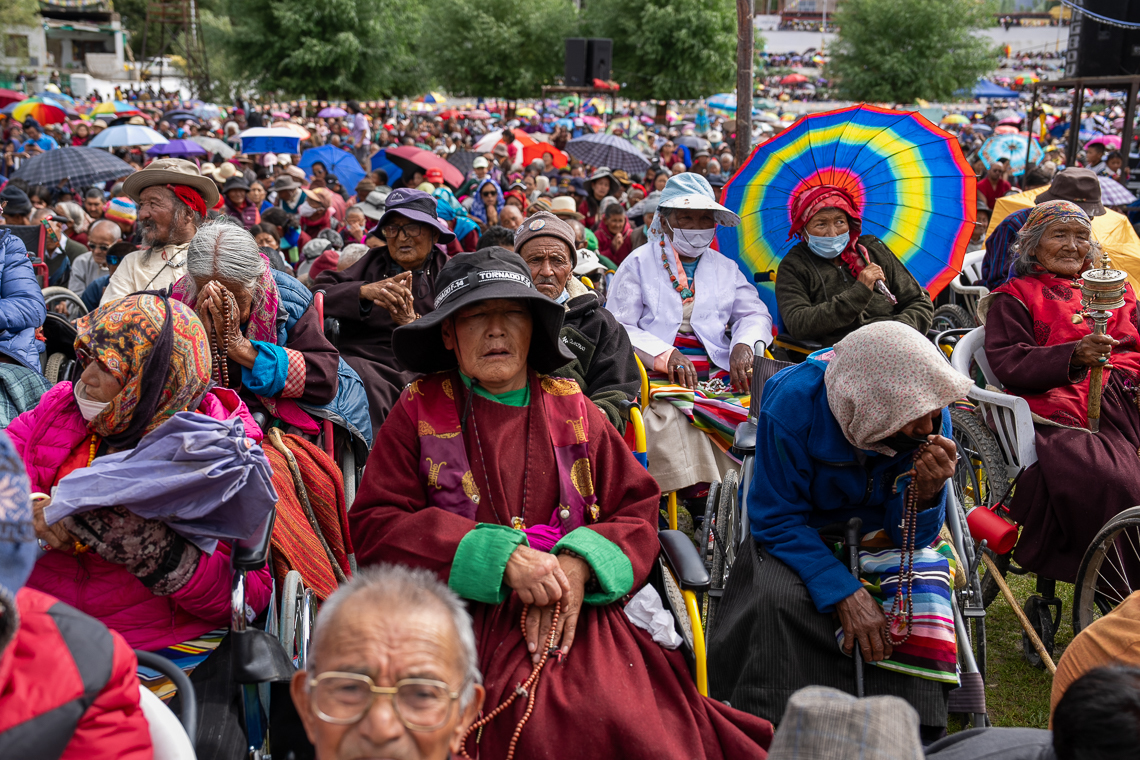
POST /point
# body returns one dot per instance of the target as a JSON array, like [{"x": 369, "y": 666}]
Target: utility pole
[{"x": 745, "y": 36}]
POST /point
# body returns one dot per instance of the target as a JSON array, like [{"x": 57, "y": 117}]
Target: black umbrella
[
  {"x": 463, "y": 160},
  {"x": 177, "y": 115},
  {"x": 80, "y": 166},
  {"x": 608, "y": 150}
]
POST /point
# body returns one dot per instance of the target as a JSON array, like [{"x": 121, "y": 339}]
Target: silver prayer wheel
[{"x": 1103, "y": 289}]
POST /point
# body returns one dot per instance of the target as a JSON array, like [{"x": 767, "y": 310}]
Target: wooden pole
[
  {"x": 744, "y": 55},
  {"x": 1025, "y": 624}
]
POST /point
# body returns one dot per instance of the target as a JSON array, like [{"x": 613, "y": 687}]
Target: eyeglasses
[
  {"x": 489, "y": 193},
  {"x": 392, "y": 231},
  {"x": 344, "y": 698},
  {"x": 99, "y": 247}
]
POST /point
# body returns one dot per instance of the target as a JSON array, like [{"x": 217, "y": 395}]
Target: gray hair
[
  {"x": 1028, "y": 239},
  {"x": 400, "y": 587},
  {"x": 72, "y": 211},
  {"x": 224, "y": 250}
]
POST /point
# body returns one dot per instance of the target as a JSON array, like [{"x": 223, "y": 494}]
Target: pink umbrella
[
  {"x": 409, "y": 157},
  {"x": 1111, "y": 142},
  {"x": 279, "y": 115},
  {"x": 1005, "y": 129},
  {"x": 592, "y": 121},
  {"x": 1015, "y": 120}
]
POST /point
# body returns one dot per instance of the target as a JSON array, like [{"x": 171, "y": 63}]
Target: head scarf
[
  {"x": 883, "y": 376},
  {"x": 157, "y": 349},
  {"x": 812, "y": 201},
  {"x": 263, "y": 312},
  {"x": 1055, "y": 211},
  {"x": 455, "y": 218},
  {"x": 478, "y": 208}
]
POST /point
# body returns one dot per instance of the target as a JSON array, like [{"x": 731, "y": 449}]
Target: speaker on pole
[
  {"x": 1102, "y": 50},
  {"x": 599, "y": 60},
  {"x": 574, "y": 73}
]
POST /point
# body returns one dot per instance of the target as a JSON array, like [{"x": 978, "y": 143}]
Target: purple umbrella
[
  {"x": 332, "y": 112},
  {"x": 178, "y": 148}
]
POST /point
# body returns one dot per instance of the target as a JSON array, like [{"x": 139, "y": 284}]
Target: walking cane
[
  {"x": 853, "y": 526},
  {"x": 1102, "y": 290}
]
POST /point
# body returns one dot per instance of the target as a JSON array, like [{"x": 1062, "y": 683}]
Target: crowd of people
[{"x": 488, "y": 347}]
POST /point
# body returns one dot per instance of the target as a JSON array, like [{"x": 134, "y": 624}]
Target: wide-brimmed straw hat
[
  {"x": 564, "y": 207},
  {"x": 171, "y": 171},
  {"x": 470, "y": 278}
]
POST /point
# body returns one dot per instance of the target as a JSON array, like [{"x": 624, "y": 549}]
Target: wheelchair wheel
[
  {"x": 58, "y": 297},
  {"x": 292, "y": 593},
  {"x": 706, "y": 545},
  {"x": 724, "y": 541},
  {"x": 1102, "y": 580},
  {"x": 951, "y": 316}
]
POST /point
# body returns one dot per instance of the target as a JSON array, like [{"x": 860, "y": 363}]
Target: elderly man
[
  {"x": 510, "y": 217},
  {"x": 92, "y": 265},
  {"x": 390, "y": 286},
  {"x": 514, "y": 487},
  {"x": 172, "y": 198},
  {"x": 604, "y": 365},
  {"x": 393, "y": 670}
]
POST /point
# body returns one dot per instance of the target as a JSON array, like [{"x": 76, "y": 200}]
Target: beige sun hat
[
  {"x": 171, "y": 171},
  {"x": 564, "y": 207}
]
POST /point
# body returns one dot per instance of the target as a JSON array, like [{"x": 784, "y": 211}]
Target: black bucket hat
[
  {"x": 235, "y": 183},
  {"x": 470, "y": 278}
]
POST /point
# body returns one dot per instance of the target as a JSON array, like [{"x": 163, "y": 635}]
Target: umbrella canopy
[
  {"x": 1112, "y": 230},
  {"x": 525, "y": 113},
  {"x": 215, "y": 146},
  {"x": 11, "y": 96},
  {"x": 909, "y": 179},
  {"x": 332, "y": 112},
  {"x": 463, "y": 160},
  {"x": 1111, "y": 142},
  {"x": 296, "y": 129},
  {"x": 115, "y": 108},
  {"x": 1006, "y": 129},
  {"x": 794, "y": 79},
  {"x": 1012, "y": 147},
  {"x": 269, "y": 140},
  {"x": 478, "y": 114},
  {"x": 380, "y": 161},
  {"x": 495, "y": 136},
  {"x": 411, "y": 159},
  {"x": 339, "y": 162},
  {"x": 180, "y": 115},
  {"x": 987, "y": 89},
  {"x": 608, "y": 150},
  {"x": 1025, "y": 79},
  {"x": 955, "y": 118},
  {"x": 1112, "y": 193},
  {"x": 127, "y": 134},
  {"x": 43, "y": 109},
  {"x": 451, "y": 113},
  {"x": 278, "y": 115},
  {"x": 178, "y": 149},
  {"x": 553, "y": 157},
  {"x": 693, "y": 142},
  {"x": 80, "y": 166},
  {"x": 431, "y": 97}
]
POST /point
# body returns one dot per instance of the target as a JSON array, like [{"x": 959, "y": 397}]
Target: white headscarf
[{"x": 883, "y": 376}]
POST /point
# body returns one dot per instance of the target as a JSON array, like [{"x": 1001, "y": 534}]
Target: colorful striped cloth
[
  {"x": 931, "y": 652},
  {"x": 713, "y": 408},
  {"x": 187, "y": 656}
]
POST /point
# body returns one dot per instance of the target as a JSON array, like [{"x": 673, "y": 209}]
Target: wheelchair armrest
[
  {"x": 744, "y": 442},
  {"x": 186, "y": 694},
  {"x": 252, "y": 553},
  {"x": 258, "y": 657},
  {"x": 684, "y": 560},
  {"x": 1011, "y": 420},
  {"x": 783, "y": 340}
]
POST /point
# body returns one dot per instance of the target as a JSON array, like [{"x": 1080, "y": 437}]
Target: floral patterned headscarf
[{"x": 121, "y": 336}]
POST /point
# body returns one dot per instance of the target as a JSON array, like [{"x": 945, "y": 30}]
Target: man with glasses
[
  {"x": 391, "y": 285},
  {"x": 393, "y": 670},
  {"x": 89, "y": 266}
]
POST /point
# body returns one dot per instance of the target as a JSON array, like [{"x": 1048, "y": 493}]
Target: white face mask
[
  {"x": 692, "y": 243},
  {"x": 305, "y": 209},
  {"x": 88, "y": 408}
]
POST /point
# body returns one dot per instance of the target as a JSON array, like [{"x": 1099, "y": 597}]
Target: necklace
[
  {"x": 519, "y": 522},
  {"x": 901, "y": 615},
  {"x": 686, "y": 293}
]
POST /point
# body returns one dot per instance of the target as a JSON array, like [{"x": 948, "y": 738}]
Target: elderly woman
[
  {"x": 860, "y": 430},
  {"x": 267, "y": 341},
  {"x": 1041, "y": 348},
  {"x": 693, "y": 318},
  {"x": 829, "y": 283},
  {"x": 145, "y": 358},
  {"x": 391, "y": 285}
]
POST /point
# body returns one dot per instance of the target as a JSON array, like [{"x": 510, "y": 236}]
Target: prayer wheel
[{"x": 1102, "y": 290}]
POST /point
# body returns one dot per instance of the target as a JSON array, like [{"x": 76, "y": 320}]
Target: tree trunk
[{"x": 744, "y": 43}]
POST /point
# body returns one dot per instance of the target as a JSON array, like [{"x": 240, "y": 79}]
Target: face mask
[
  {"x": 828, "y": 247},
  {"x": 692, "y": 243},
  {"x": 88, "y": 408},
  {"x": 305, "y": 209}
]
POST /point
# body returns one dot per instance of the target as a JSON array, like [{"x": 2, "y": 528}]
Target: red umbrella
[
  {"x": 794, "y": 79},
  {"x": 450, "y": 113},
  {"x": 10, "y": 96},
  {"x": 409, "y": 158},
  {"x": 547, "y": 152}
]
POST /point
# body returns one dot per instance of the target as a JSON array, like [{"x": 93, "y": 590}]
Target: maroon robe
[{"x": 618, "y": 693}]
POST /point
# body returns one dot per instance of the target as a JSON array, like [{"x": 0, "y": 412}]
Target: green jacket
[{"x": 821, "y": 302}]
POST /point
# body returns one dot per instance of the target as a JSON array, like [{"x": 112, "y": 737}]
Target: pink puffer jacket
[{"x": 44, "y": 437}]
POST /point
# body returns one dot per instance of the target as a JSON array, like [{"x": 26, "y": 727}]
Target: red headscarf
[
  {"x": 812, "y": 201},
  {"x": 190, "y": 197}
]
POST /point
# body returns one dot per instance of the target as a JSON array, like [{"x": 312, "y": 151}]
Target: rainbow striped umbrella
[
  {"x": 909, "y": 179},
  {"x": 115, "y": 108},
  {"x": 41, "y": 108}
]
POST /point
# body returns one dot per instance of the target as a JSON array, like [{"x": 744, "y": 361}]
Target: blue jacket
[
  {"x": 22, "y": 307},
  {"x": 808, "y": 476}
]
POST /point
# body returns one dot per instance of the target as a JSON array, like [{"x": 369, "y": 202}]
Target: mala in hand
[
  {"x": 527, "y": 689},
  {"x": 224, "y": 337},
  {"x": 901, "y": 615}
]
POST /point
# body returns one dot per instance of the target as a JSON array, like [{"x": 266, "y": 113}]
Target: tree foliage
[
  {"x": 328, "y": 49},
  {"x": 896, "y": 51},
  {"x": 19, "y": 12},
  {"x": 504, "y": 48},
  {"x": 668, "y": 48}
]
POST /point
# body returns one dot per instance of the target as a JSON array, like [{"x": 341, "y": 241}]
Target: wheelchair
[
  {"x": 996, "y": 441},
  {"x": 965, "y": 292}
]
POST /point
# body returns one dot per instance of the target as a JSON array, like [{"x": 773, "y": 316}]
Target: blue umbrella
[
  {"x": 269, "y": 140},
  {"x": 339, "y": 162},
  {"x": 394, "y": 172}
]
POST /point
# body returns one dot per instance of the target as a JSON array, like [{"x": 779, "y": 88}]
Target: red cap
[{"x": 434, "y": 175}]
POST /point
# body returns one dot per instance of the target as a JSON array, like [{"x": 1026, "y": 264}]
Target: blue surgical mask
[{"x": 828, "y": 247}]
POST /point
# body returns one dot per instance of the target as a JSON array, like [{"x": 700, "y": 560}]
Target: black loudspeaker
[
  {"x": 599, "y": 60},
  {"x": 575, "y": 74},
  {"x": 1101, "y": 50}
]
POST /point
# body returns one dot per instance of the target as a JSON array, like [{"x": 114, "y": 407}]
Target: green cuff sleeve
[
  {"x": 480, "y": 561},
  {"x": 610, "y": 565}
]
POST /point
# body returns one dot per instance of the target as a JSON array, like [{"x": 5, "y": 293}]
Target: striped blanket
[
  {"x": 187, "y": 656},
  {"x": 931, "y": 651},
  {"x": 713, "y": 408}
]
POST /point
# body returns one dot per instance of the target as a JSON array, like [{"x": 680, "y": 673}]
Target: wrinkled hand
[
  {"x": 871, "y": 274},
  {"x": 680, "y": 370},
  {"x": 1091, "y": 348},
  {"x": 536, "y": 576},
  {"x": 864, "y": 621},
  {"x": 538, "y": 619},
  {"x": 933, "y": 466},
  {"x": 211, "y": 309},
  {"x": 55, "y": 536},
  {"x": 740, "y": 367},
  {"x": 393, "y": 294}
]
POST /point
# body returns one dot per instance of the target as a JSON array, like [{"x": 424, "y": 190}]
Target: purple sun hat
[{"x": 417, "y": 206}]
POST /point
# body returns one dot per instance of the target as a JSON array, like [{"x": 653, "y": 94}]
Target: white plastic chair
[
  {"x": 166, "y": 733},
  {"x": 1007, "y": 416},
  {"x": 972, "y": 272}
]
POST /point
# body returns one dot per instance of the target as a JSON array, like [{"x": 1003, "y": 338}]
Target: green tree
[
  {"x": 504, "y": 48},
  {"x": 896, "y": 51},
  {"x": 668, "y": 48},
  {"x": 19, "y": 12},
  {"x": 328, "y": 49}
]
